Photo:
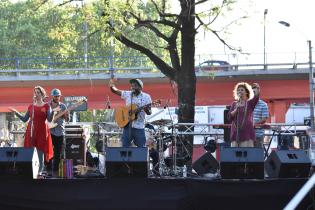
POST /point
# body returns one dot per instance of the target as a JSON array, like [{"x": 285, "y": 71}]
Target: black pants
[{"x": 57, "y": 142}]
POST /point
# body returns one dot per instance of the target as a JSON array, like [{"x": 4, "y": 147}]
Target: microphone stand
[
  {"x": 32, "y": 121},
  {"x": 237, "y": 124},
  {"x": 237, "y": 129},
  {"x": 107, "y": 106},
  {"x": 174, "y": 140}
]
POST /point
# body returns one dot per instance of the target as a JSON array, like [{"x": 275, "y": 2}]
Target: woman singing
[
  {"x": 37, "y": 133},
  {"x": 241, "y": 116}
]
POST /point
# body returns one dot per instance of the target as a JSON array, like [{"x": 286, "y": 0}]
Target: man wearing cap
[
  {"x": 57, "y": 132},
  {"x": 260, "y": 116},
  {"x": 134, "y": 130}
]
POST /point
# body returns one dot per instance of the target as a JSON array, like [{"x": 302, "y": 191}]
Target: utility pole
[
  {"x": 311, "y": 81},
  {"x": 265, "y": 58}
]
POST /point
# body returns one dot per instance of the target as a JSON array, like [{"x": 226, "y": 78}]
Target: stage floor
[{"x": 151, "y": 193}]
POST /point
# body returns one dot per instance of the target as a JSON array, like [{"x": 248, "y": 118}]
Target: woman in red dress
[{"x": 37, "y": 133}]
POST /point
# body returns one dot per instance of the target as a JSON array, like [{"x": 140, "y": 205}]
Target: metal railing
[
  {"x": 63, "y": 67},
  {"x": 79, "y": 62}
]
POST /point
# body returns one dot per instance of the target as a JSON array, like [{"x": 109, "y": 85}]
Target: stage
[{"x": 151, "y": 193}]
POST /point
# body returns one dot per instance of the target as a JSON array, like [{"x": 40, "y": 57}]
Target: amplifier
[
  {"x": 19, "y": 162},
  {"x": 76, "y": 150},
  {"x": 74, "y": 130}
]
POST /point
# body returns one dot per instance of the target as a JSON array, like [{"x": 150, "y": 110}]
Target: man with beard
[
  {"x": 134, "y": 130},
  {"x": 57, "y": 132}
]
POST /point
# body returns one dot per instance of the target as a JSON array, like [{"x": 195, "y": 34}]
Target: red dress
[{"x": 41, "y": 138}]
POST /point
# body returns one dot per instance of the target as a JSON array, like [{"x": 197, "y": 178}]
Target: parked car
[{"x": 213, "y": 65}]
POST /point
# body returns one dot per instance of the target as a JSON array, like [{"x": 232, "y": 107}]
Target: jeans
[
  {"x": 41, "y": 160},
  {"x": 136, "y": 135}
]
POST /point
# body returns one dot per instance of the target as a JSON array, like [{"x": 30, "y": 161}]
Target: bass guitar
[
  {"x": 125, "y": 114},
  {"x": 57, "y": 115}
]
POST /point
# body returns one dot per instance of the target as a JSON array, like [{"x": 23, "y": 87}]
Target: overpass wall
[{"x": 279, "y": 94}]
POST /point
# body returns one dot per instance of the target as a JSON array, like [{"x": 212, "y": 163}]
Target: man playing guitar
[
  {"x": 57, "y": 132},
  {"x": 134, "y": 130}
]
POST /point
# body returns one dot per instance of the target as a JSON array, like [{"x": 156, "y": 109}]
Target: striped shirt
[{"x": 261, "y": 111}]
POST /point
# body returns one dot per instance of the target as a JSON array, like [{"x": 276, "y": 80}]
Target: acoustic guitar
[
  {"x": 57, "y": 115},
  {"x": 125, "y": 114}
]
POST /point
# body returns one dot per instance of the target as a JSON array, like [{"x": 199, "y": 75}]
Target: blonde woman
[{"x": 37, "y": 133}]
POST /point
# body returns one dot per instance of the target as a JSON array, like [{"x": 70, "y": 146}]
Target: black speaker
[
  {"x": 126, "y": 162},
  {"x": 288, "y": 164},
  {"x": 206, "y": 164},
  {"x": 76, "y": 150},
  {"x": 19, "y": 162},
  {"x": 242, "y": 163}
]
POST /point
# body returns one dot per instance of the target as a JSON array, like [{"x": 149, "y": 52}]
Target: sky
[{"x": 283, "y": 44}]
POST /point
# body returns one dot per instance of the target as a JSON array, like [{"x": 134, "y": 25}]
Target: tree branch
[
  {"x": 173, "y": 49},
  {"x": 148, "y": 24},
  {"x": 163, "y": 13},
  {"x": 200, "y": 2},
  {"x": 166, "y": 69},
  {"x": 223, "y": 41},
  {"x": 41, "y": 4}
]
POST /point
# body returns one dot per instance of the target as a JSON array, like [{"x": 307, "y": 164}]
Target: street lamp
[
  {"x": 265, "y": 59},
  {"x": 311, "y": 74}
]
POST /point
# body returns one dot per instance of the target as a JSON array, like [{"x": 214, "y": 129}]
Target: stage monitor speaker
[
  {"x": 126, "y": 162},
  {"x": 206, "y": 164},
  {"x": 288, "y": 164},
  {"x": 242, "y": 163},
  {"x": 19, "y": 162},
  {"x": 76, "y": 150}
]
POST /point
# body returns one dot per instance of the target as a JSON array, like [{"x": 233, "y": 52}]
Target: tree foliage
[{"x": 37, "y": 28}]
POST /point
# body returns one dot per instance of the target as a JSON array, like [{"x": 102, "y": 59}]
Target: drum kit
[{"x": 160, "y": 138}]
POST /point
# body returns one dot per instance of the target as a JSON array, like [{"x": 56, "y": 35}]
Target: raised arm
[
  {"x": 19, "y": 115},
  {"x": 252, "y": 102},
  {"x": 113, "y": 88}
]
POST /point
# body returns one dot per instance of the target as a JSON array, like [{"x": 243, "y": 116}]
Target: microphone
[
  {"x": 167, "y": 104},
  {"x": 108, "y": 103},
  {"x": 239, "y": 96}
]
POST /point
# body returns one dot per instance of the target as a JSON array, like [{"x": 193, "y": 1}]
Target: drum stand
[
  {"x": 163, "y": 170},
  {"x": 178, "y": 170}
]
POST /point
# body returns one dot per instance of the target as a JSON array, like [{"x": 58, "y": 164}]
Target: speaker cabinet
[
  {"x": 206, "y": 164},
  {"x": 242, "y": 163},
  {"x": 288, "y": 164},
  {"x": 19, "y": 162},
  {"x": 76, "y": 150},
  {"x": 126, "y": 162}
]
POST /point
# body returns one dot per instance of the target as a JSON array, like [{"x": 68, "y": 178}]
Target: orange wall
[{"x": 277, "y": 93}]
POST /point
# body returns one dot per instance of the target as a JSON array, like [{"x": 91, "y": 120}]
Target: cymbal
[{"x": 161, "y": 122}]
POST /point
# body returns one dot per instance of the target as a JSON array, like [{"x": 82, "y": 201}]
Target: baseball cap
[{"x": 55, "y": 92}]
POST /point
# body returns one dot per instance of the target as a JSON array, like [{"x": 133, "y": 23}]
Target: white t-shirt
[{"x": 140, "y": 100}]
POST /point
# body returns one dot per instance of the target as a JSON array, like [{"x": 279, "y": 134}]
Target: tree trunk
[{"x": 186, "y": 79}]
